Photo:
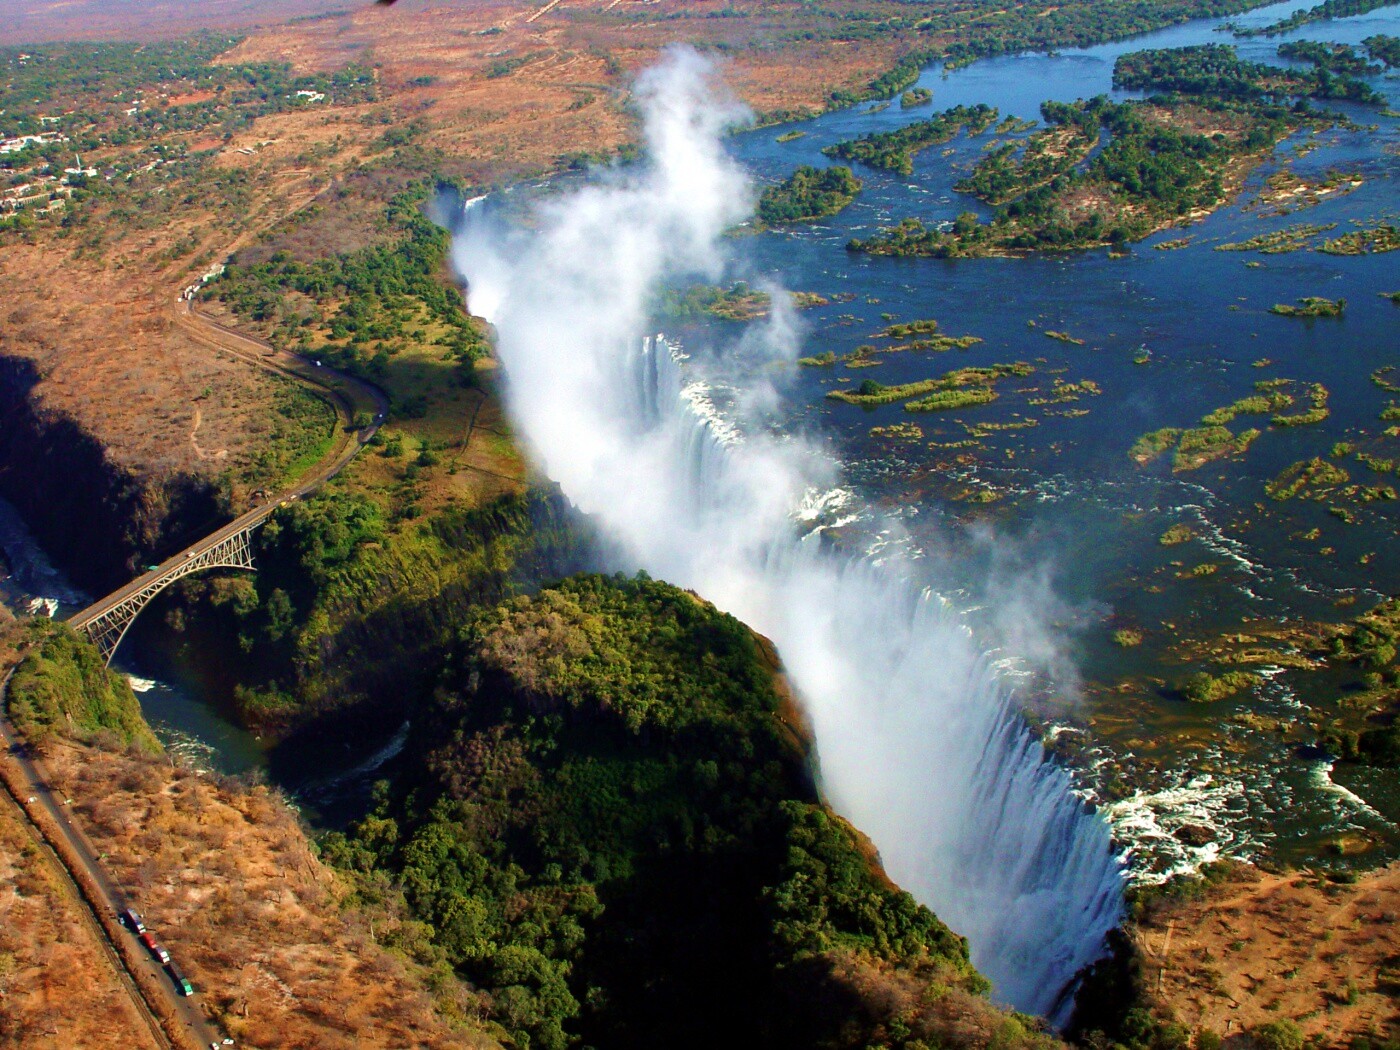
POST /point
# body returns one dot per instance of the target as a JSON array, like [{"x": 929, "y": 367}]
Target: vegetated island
[
  {"x": 1279, "y": 242},
  {"x": 894, "y": 150},
  {"x": 737, "y": 302},
  {"x": 807, "y": 194},
  {"x": 960, "y": 388},
  {"x": 1328, "y": 9},
  {"x": 1194, "y": 447},
  {"x": 1383, "y": 237},
  {"x": 1311, "y": 306},
  {"x": 1335, "y": 58},
  {"x": 1384, "y": 49},
  {"x": 1169, "y": 159},
  {"x": 918, "y": 96}
]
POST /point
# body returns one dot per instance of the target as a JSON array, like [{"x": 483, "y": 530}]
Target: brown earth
[
  {"x": 35, "y": 21},
  {"x": 57, "y": 988},
  {"x": 1262, "y": 947},
  {"x": 225, "y": 877}
]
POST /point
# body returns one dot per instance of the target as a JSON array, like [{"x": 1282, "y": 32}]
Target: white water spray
[{"x": 917, "y": 743}]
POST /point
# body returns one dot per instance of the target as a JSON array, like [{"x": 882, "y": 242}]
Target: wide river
[{"x": 1167, "y": 337}]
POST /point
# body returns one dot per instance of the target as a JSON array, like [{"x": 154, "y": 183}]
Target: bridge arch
[{"x": 106, "y": 622}]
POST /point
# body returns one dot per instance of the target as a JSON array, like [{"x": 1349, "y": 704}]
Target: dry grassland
[
  {"x": 57, "y": 988},
  {"x": 1264, "y": 947},
  {"x": 229, "y": 883}
]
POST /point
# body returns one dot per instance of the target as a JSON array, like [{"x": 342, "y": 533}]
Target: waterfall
[{"x": 918, "y": 742}]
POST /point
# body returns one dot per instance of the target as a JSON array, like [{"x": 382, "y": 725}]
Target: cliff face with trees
[{"x": 607, "y": 822}]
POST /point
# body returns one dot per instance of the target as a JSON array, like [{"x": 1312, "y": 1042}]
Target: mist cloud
[{"x": 916, "y": 741}]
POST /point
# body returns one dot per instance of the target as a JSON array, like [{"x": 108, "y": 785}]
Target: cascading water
[{"x": 918, "y": 744}]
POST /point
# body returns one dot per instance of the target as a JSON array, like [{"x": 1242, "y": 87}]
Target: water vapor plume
[{"x": 917, "y": 740}]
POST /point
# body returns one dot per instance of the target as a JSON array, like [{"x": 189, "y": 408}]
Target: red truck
[{"x": 153, "y": 946}]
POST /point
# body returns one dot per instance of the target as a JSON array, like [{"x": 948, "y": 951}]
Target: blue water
[{"x": 1072, "y": 501}]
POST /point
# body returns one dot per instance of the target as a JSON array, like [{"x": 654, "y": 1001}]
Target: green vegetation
[
  {"x": 1052, "y": 195},
  {"x": 1063, "y": 337},
  {"x": 1282, "y": 1034},
  {"x": 915, "y": 97},
  {"x": 301, "y": 436},
  {"x": 1318, "y": 394},
  {"x": 603, "y": 787},
  {"x": 932, "y": 340},
  {"x": 62, "y": 686},
  {"x": 1201, "y": 445},
  {"x": 353, "y": 603},
  {"x": 1335, "y": 58},
  {"x": 1197, "y": 446},
  {"x": 894, "y": 150},
  {"x": 904, "y": 330},
  {"x": 1256, "y": 404},
  {"x": 1279, "y": 242},
  {"x": 357, "y": 310},
  {"x": 1383, "y": 237},
  {"x": 1174, "y": 245},
  {"x": 1308, "y": 476},
  {"x": 790, "y": 136},
  {"x": 1177, "y": 534},
  {"x": 1326, "y": 10},
  {"x": 738, "y": 302},
  {"x": 822, "y": 360},
  {"x": 1152, "y": 444},
  {"x": 960, "y": 388},
  {"x": 1203, "y": 688},
  {"x": 1384, "y": 49},
  {"x": 1127, "y": 638},
  {"x": 807, "y": 194},
  {"x": 1216, "y": 70},
  {"x": 947, "y": 400},
  {"x": 1312, "y": 306}
]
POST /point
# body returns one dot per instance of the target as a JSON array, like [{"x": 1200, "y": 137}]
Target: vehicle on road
[
  {"x": 154, "y": 947},
  {"x": 130, "y": 916},
  {"x": 182, "y": 983}
]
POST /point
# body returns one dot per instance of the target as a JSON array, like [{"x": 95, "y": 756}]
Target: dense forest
[
  {"x": 1336, "y": 58},
  {"x": 1216, "y": 70},
  {"x": 607, "y": 822}
]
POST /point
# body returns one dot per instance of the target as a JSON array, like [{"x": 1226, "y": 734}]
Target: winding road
[
  {"x": 350, "y": 396},
  {"x": 152, "y": 992},
  {"x": 72, "y": 858}
]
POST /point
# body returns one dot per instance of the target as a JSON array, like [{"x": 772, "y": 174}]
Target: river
[{"x": 1168, "y": 336}]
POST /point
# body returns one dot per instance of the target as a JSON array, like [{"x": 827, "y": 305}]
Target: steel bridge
[{"x": 106, "y": 622}]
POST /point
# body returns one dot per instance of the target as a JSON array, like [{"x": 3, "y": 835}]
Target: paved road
[
  {"x": 349, "y": 395},
  {"x": 44, "y": 799}
]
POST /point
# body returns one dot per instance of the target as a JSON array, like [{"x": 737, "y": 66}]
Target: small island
[
  {"x": 915, "y": 97},
  {"x": 808, "y": 193},
  {"x": 894, "y": 150},
  {"x": 1311, "y": 306},
  {"x": 960, "y": 388}
]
